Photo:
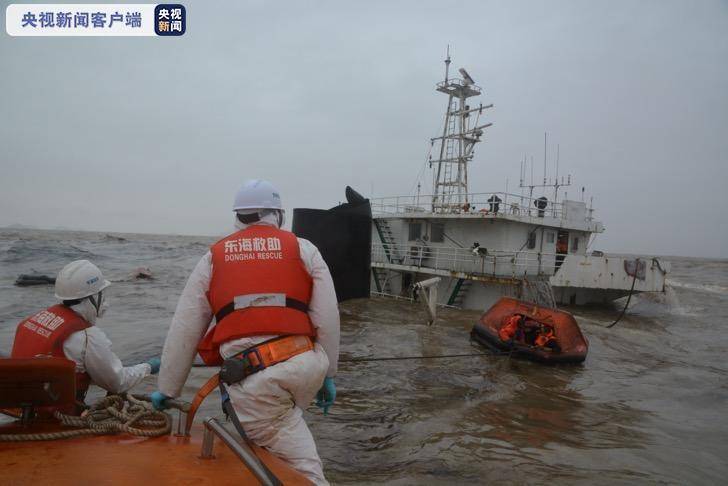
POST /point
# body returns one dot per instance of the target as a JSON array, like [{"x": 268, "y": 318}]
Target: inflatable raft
[
  {"x": 141, "y": 447},
  {"x": 526, "y": 330}
]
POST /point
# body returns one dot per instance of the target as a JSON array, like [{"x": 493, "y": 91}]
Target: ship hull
[
  {"x": 505, "y": 257},
  {"x": 123, "y": 459}
]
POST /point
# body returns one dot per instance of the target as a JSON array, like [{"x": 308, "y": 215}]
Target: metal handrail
[
  {"x": 459, "y": 82},
  {"x": 485, "y": 262},
  {"x": 513, "y": 204},
  {"x": 244, "y": 453}
]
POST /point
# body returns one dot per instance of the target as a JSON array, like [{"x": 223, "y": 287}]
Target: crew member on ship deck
[
  {"x": 275, "y": 306},
  {"x": 67, "y": 330}
]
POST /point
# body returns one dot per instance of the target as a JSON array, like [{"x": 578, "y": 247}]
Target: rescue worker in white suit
[
  {"x": 274, "y": 301},
  {"x": 68, "y": 330}
]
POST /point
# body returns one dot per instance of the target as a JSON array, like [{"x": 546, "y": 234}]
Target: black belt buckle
[
  {"x": 236, "y": 368},
  {"x": 232, "y": 371},
  {"x": 253, "y": 369}
]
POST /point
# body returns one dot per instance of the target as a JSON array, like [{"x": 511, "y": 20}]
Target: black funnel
[{"x": 343, "y": 235}]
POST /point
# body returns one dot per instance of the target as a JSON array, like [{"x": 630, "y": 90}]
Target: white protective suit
[
  {"x": 268, "y": 403},
  {"x": 91, "y": 350}
]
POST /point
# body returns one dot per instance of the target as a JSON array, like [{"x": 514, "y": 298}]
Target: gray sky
[{"x": 155, "y": 135}]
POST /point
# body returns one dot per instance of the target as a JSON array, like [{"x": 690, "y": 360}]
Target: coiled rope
[{"x": 111, "y": 415}]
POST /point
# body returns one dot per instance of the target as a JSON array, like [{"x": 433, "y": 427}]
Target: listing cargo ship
[{"x": 534, "y": 244}]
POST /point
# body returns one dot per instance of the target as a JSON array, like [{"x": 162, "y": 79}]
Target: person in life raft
[
  {"x": 68, "y": 330},
  {"x": 276, "y": 321}
]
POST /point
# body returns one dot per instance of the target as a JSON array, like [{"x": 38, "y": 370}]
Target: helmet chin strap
[
  {"x": 97, "y": 302},
  {"x": 86, "y": 309}
]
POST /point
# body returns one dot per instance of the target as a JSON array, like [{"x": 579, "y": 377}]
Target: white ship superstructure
[{"x": 487, "y": 244}]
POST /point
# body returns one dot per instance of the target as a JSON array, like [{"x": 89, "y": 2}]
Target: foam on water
[
  {"x": 660, "y": 303},
  {"x": 699, "y": 287}
]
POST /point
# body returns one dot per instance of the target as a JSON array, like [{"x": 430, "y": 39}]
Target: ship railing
[
  {"x": 475, "y": 261},
  {"x": 459, "y": 83},
  {"x": 485, "y": 203}
]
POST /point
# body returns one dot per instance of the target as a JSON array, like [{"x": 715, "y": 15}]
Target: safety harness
[
  {"x": 241, "y": 365},
  {"x": 259, "y": 357}
]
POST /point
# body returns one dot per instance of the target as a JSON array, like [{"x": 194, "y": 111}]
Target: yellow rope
[{"x": 113, "y": 414}]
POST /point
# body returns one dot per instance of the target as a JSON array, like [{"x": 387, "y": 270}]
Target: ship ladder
[
  {"x": 450, "y": 154},
  {"x": 387, "y": 238},
  {"x": 459, "y": 292}
]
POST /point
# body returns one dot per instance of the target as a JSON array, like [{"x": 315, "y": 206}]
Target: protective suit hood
[
  {"x": 87, "y": 310},
  {"x": 268, "y": 217}
]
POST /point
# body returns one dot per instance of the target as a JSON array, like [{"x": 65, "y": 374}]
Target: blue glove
[
  {"x": 155, "y": 363},
  {"x": 326, "y": 395},
  {"x": 158, "y": 399}
]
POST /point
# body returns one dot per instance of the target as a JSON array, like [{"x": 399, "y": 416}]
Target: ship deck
[{"x": 123, "y": 459}]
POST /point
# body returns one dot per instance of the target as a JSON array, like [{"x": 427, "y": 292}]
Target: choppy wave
[
  {"x": 25, "y": 250},
  {"x": 650, "y": 383},
  {"x": 711, "y": 288},
  {"x": 660, "y": 303}
]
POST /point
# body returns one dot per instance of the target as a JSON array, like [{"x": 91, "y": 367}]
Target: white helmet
[
  {"x": 79, "y": 279},
  {"x": 257, "y": 194}
]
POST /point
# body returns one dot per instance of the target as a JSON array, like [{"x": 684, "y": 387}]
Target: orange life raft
[{"x": 532, "y": 332}]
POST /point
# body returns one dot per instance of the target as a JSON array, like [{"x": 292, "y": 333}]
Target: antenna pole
[
  {"x": 532, "y": 172},
  {"x": 530, "y": 192},
  {"x": 523, "y": 176},
  {"x": 556, "y": 183},
  {"x": 447, "y": 63},
  {"x": 544, "y": 158}
]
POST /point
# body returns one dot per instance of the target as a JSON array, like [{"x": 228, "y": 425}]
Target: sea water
[{"x": 650, "y": 404}]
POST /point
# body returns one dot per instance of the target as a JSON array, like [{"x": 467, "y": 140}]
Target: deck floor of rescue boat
[{"x": 124, "y": 459}]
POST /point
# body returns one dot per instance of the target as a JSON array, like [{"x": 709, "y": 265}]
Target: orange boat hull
[{"x": 123, "y": 460}]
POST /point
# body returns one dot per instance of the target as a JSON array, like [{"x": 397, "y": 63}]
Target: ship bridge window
[
  {"x": 550, "y": 237},
  {"x": 575, "y": 245},
  {"x": 532, "y": 240},
  {"x": 437, "y": 232},
  {"x": 415, "y": 230}
]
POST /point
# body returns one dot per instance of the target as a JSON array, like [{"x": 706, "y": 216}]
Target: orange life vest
[
  {"x": 546, "y": 335},
  {"x": 508, "y": 330},
  {"x": 44, "y": 333},
  {"x": 259, "y": 286}
]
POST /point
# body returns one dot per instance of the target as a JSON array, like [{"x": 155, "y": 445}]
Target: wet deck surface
[{"x": 125, "y": 460}]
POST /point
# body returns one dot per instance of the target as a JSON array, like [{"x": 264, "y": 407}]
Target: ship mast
[{"x": 460, "y": 134}]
